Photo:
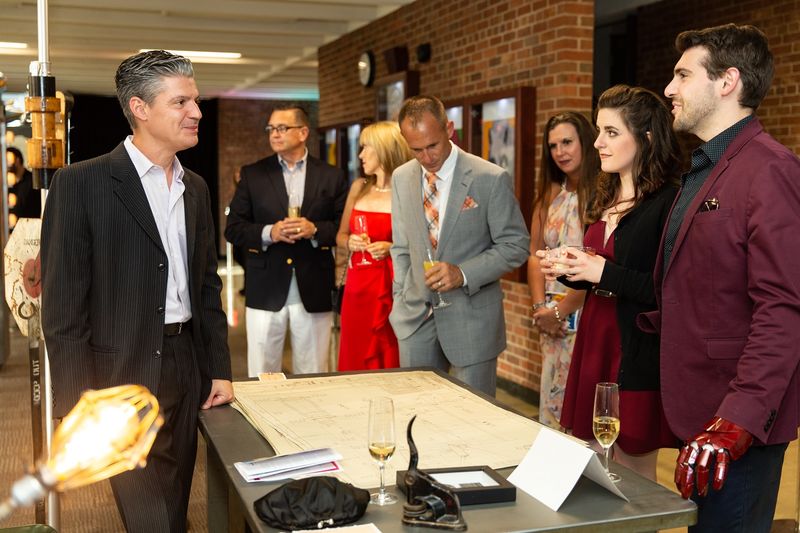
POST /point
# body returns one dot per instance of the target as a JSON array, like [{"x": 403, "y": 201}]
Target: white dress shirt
[
  {"x": 166, "y": 203},
  {"x": 294, "y": 179}
]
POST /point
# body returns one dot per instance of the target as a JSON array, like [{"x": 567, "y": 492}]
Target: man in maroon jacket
[{"x": 728, "y": 285}]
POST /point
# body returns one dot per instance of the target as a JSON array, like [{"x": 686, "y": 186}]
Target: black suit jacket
[
  {"x": 261, "y": 199},
  {"x": 104, "y": 281}
]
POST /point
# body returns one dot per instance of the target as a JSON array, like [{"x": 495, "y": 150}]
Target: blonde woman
[{"x": 367, "y": 339}]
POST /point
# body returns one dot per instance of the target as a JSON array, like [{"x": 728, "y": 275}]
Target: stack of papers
[{"x": 290, "y": 466}]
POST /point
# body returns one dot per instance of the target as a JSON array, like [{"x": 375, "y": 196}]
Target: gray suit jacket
[
  {"x": 104, "y": 281},
  {"x": 483, "y": 232}
]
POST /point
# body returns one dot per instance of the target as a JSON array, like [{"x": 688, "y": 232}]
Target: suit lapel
[
  {"x": 462, "y": 178},
  {"x": 311, "y": 186},
  {"x": 415, "y": 199},
  {"x": 275, "y": 178},
  {"x": 190, "y": 211},
  {"x": 128, "y": 188},
  {"x": 750, "y": 131}
]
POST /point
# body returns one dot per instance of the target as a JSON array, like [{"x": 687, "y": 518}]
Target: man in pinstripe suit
[{"x": 130, "y": 290}]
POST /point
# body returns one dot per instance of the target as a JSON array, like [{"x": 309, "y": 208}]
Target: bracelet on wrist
[
  {"x": 558, "y": 315},
  {"x": 538, "y": 305}
]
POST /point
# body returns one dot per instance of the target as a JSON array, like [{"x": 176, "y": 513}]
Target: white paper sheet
[{"x": 552, "y": 467}]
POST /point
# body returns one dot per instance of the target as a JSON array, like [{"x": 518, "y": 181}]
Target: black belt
[
  {"x": 604, "y": 293},
  {"x": 176, "y": 328}
]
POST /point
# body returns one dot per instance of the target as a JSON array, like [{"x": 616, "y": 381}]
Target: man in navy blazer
[
  {"x": 289, "y": 263},
  {"x": 728, "y": 285},
  {"x": 130, "y": 291}
]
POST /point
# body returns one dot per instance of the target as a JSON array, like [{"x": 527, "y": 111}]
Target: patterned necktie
[{"x": 431, "y": 205}]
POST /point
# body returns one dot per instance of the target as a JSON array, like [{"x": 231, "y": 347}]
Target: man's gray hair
[{"x": 141, "y": 75}]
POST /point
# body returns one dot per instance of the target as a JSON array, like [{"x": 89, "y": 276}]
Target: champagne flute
[
  {"x": 294, "y": 205},
  {"x": 427, "y": 265},
  {"x": 381, "y": 442},
  {"x": 360, "y": 223},
  {"x": 605, "y": 424}
]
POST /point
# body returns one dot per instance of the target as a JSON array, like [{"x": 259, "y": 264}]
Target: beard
[{"x": 693, "y": 113}]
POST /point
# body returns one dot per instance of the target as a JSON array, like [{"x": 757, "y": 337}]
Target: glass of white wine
[
  {"x": 605, "y": 423},
  {"x": 294, "y": 205},
  {"x": 360, "y": 225},
  {"x": 427, "y": 265},
  {"x": 381, "y": 442}
]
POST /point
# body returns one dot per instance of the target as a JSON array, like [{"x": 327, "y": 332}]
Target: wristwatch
[{"x": 538, "y": 305}]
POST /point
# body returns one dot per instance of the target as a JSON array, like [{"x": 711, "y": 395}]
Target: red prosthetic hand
[{"x": 723, "y": 440}]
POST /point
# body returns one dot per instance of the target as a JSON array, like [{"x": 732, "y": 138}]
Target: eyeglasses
[{"x": 281, "y": 128}]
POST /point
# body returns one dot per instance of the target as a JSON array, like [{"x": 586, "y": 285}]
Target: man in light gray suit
[{"x": 463, "y": 210}]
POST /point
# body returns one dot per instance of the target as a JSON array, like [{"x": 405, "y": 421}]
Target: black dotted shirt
[{"x": 704, "y": 159}]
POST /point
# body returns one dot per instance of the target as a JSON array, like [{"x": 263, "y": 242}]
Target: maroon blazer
[{"x": 729, "y": 299}]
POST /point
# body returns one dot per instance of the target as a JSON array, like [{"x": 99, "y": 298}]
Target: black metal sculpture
[{"x": 430, "y": 503}]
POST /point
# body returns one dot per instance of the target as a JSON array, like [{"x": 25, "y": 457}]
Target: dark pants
[
  {"x": 155, "y": 499},
  {"x": 747, "y": 500}
]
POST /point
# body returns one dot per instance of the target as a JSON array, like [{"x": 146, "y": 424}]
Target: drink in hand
[
  {"x": 360, "y": 223},
  {"x": 606, "y": 430},
  {"x": 381, "y": 451},
  {"x": 427, "y": 265},
  {"x": 294, "y": 211}
]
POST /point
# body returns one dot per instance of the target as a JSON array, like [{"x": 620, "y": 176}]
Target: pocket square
[{"x": 469, "y": 203}]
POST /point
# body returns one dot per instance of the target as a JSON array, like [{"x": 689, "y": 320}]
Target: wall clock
[{"x": 366, "y": 68}]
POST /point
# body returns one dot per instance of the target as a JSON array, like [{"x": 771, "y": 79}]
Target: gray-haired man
[{"x": 130, "y": 290}]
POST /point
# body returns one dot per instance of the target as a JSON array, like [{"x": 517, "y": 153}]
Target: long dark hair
[
  {"x": 549, "y": 172},
  {"x": 658, "y": 153}
]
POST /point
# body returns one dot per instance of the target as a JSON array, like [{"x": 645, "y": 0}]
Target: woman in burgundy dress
[
  {"x": 639, "y": 156},
  {"x": 367, "y": 339}
]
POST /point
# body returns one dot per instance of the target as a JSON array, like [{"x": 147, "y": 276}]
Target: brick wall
[
  {"x": 242, "y": 141},
  {"x": 778, "y": 19},
  {"x": 478, "y": 46}
]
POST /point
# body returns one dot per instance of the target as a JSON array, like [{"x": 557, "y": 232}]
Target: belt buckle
[
  {"x": 604, "y": 293},
  {"x": 180, "y": 328}
]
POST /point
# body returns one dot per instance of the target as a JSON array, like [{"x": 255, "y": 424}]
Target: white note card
[{"x": 552, "y": 467}]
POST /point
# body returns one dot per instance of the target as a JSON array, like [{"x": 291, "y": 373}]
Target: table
[{"x": 230, "y": 438}]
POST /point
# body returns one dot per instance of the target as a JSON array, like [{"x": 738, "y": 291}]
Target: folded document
[{"x": 293, "y": 465}]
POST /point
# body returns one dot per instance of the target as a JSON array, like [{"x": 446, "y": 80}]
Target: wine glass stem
[
  {"x": 382, "y": 490},
  {"x": 606, "y": 454}
]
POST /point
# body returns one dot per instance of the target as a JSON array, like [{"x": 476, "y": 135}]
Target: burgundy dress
[
  {"x": 596, "y": 358},
  {"x": 367, "y": 340}
]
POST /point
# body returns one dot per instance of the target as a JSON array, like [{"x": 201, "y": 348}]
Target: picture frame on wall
[
  {"x": 455, "y": 114},
  {"x": 391, "y": 91}
]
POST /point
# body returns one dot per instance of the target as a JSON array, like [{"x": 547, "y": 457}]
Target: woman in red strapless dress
[
  {"x": 639, "y": 156},
  {"x": 367, "y": 339}
]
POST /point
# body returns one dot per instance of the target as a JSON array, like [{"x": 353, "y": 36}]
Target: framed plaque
[
  {"x": 391, "y": 91},
  {"x": 472, "y": 484}
]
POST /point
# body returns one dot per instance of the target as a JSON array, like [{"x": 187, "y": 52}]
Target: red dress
[
  {"x": 596, "y": 358},
  {"x": 367, "y": 340}
]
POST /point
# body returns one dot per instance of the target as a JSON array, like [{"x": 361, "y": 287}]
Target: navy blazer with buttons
[{"x": 261, "y": 199}]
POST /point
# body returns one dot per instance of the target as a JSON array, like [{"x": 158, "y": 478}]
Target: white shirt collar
[
  {"x": 143, "y": 164},
  {"x": 285, "y": 164},
  {"x": 449, "y": 165}
]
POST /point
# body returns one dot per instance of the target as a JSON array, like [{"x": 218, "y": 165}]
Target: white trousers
[{"x": 266, "y": 333}]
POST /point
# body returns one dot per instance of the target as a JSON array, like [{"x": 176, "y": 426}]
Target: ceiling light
[
  {"x": 194, "y": 54},
  {"x": 4, "y": 44}
]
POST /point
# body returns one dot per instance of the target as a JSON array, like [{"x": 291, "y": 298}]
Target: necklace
[{"x": 381, "y": 189}]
